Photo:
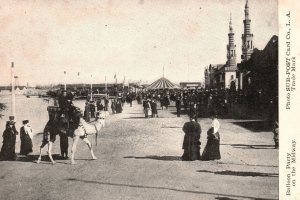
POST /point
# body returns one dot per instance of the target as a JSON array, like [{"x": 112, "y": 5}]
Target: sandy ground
[{"x": 138, "y": 158}]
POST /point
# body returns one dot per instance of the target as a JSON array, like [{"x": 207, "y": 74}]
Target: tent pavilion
[{"x": 162, "y": 83}]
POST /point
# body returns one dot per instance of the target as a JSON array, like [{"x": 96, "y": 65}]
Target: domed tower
[
  {"x": 230, "y": 68},
  {"x": 247, "y": 37},
  {"x": 231, "y": 56}
]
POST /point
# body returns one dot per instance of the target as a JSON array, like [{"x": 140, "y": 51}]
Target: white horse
[{"x": 85, "y": 129}]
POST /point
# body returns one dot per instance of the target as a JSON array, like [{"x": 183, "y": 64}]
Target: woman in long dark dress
[
  {"x": 113, "y": 106},
  {"x": 25, "y": 136},
  {"x": 87, "y": 112},
  {"x": 154, "y": 108},
  {"x": 212, "y": 148},
  {"x": 9, "y": 141},
  {"x": 119, "y": 106},
  {"x": 191, "y": 141}
]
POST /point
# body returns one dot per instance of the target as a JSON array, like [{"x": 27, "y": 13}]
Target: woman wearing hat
[
  {"x": 212, "y": 148},
  {"x": 191, "y": 142},
  {"x": 9, "y": 140},
  {"x": 119, "y": 106},
  {"x": 25, "y": 136}
]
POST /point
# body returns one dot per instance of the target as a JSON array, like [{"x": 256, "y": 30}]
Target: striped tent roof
[{"x": 162, "y": 83}]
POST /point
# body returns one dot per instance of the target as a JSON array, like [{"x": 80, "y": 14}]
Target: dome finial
[{"x": 230, "y": 23}]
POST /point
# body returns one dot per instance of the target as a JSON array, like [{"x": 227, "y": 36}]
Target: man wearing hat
[
  {"x": 9, "y": 140},
  {"x": 178, "y": 106},
  {"x": 63, "y": 100}
]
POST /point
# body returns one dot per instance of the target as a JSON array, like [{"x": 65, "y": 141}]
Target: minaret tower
[
  {"x": 247, "y": 37},
  {"x": 231, "y": 56}
]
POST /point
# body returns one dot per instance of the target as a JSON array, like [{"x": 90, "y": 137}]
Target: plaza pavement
[{"x": 139, "y": 158}]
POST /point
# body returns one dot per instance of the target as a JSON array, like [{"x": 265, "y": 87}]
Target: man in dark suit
[
  {"x": 63, "y": 101},
  {"x": 178, "y": 106}
]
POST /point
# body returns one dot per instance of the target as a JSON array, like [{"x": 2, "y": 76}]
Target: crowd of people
[
  {"x": 211, "y": 103},
  {"x": 193, "y": 102},
  {"x": 219, "y": 101}
]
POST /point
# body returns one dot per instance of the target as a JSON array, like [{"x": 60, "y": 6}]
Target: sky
[{"x": 135, "y": 39}]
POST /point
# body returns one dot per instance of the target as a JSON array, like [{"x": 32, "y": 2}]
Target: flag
[
  {"x": 115, "y": 76},
  {"x": 78, "y": 74},
  {"x": 65, "y": 72}
]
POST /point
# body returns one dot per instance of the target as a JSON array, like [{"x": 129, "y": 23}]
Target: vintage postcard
[{"x": 144, "y": 99}]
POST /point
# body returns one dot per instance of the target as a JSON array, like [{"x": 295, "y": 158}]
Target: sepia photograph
[{"x": 140, "y": 99}]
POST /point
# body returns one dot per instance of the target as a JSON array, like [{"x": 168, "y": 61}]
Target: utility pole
[
  {"x": 105, "y": 86},
  {"x": 91, "y": 88},
  {"x": 65, "y": 80},
  {"x": 13, "y": 96}
]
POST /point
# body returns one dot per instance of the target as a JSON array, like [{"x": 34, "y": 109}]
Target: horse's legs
[
  {"x": 40, "y": 156},
  {"x": 74, "y": 145},
  {"x": 90, "y": 147},
  {"x": 50, "y": 152}
]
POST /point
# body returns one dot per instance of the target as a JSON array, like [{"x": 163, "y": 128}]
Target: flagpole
[
  {"x": 124, "y": 83},
  {"x": 65, "y": 84},
  {"x": 13, "y": 96},
  {"x": 91, "y": 88},
  {"x": 78, "y": 80},
  {"x": 105, "y": 85}
]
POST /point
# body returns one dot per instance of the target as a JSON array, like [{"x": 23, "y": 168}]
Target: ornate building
[
  {"x": 247, "y": 37},
  {"x": 247, "y": 46},
  {"x": 229, "y": 76},
  {"x": 223, "y": 75},
  {"x": 230, "y": 68}
]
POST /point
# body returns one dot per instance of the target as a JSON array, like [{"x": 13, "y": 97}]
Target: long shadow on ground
[
  {"x": 32, "y": 158},
  {"x": 225, "y": 198},
  {"x": 161, "y": 188},
  {"x": 240, "y": 173},
  {"x": 135, "y": 118},
  {"x": 126, "y": 118},
  {"x": 164, "y": 158},
  {"x": 251, "y": 146},
  {"x": 255, "y": 126}
]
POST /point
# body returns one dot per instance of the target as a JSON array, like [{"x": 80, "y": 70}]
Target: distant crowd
[
  {"x": 203, "y": 102},
  {"x": 216, "y": 103}
]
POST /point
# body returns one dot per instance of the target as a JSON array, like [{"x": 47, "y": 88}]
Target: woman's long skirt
[
  {"x": 149, "y": 112},
  {"x": 8, "y": 148},
  {"x": 212, "y": 149},
  {"x": 191, "y": 151},
  {"x": 26, "y": 145}
]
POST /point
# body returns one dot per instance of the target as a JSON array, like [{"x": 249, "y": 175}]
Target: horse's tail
[{"x": 96, "y": 136}]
